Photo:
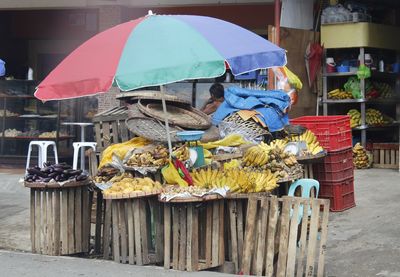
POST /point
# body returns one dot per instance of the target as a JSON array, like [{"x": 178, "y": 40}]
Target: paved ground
[{"x": 363, "y": 241}]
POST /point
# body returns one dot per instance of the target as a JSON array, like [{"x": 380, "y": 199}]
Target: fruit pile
[
  {"x": 126, "y": 183},
  {"x": 339, "y": 94},
  {"x": 156, "y": 156},
  {"x": 263, "y": 156},
  {"x": 309, "y": 137},
  {"x": 238, "y": 180},
  {"x": 384, "y": 90},
  {"x": 374, "y": 117},
  {"x": 58, "y": 172},
  {"x": 360, "y": 157},
  {"x": 105, "y": 174},
  {"x": 355, "y": 118}
]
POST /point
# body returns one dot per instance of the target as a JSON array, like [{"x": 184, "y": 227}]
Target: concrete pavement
[{"x": 363, "y": 241}]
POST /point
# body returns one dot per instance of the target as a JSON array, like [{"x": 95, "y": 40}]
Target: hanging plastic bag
[
  {"x": 363, "y": 72},
  {"x": 353, "y": 86},
  {"x": 172, "y": 176},
  {"x": 288, "y": 82},
  {"x": 2, "y": 68}
]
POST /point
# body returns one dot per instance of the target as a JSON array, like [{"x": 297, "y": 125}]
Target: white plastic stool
[
  {"x": 77, "y": 146},
  {"x": 42, "y": 151}
]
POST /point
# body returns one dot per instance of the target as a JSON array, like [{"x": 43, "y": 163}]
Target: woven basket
[
  {"x": 134, "y": 96},
  {"x": 234, "y": 124},
  {"x": 185, "y": 117},
  {"x": 151, "y": 129}
]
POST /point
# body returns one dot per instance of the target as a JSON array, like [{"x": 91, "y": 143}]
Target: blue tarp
[{"x": 271, "y": 104}]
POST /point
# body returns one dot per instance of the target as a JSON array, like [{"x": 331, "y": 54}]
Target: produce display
[
  {"x": 11, "y": 133},
  {"x": 384, "y": 90},
  {"x": 52, "y": 134},
  {"x": 360, "y": 157},
  {"x": 372, "y": 117},
  {"x": 157, "y": 156},
  {"x": 263, "y": 156},
  {"x": 338, "y": 94},
  {"x": 57, "y": 172},
  {"x": 311, "y": 140},
  {"x": 126, "y": 183},
  {"x": 105, "y": 174},
  {"x": 7, "y": 113}
]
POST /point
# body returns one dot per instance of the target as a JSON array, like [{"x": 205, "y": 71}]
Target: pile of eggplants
[{"x": 60, "y": 172}]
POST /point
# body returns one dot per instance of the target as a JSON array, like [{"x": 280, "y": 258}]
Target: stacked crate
[{"x": 336, "y": 173}]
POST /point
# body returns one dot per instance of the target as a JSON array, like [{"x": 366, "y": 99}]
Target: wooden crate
[
  {"x": 60, "y": 219},
  {"x": 386, "y": 155},
  {"x": 133, "y": 230},
  {"x": 110, "y": 127},
  {"x": 276, "y": 245},
  {"x": 194, "y": 235}
]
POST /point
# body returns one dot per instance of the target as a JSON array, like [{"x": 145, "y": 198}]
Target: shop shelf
[
  {"x": 333, "y": 132},
  {"x": 342, "y": 101},
  {"x": 338, "y": 74}
]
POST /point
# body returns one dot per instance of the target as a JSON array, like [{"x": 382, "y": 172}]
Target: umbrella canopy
[{"x": 157, "y": 50}]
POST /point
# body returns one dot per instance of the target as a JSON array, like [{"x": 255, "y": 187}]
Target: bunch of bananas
[
  {"x": 278, "y": 143},
  {"x": 385, "y": 90},
  {"x": 209, "y": 178},
  {"x": 257, "y": 155},
  {"x": 181, "y": 153},
  {"x": 242, "y": 181},
  {"x": 339, "y": 94},
  {"x": 360, "y": 157},
  {"x": 157, "y": 156},
  {"x": 355, "y": 118},
  {"x": 126, "y": 183},
  {"x": 310, "y": 138},
  {"x": 374, "y": 117},
  {"x": 232, "y": 164}
]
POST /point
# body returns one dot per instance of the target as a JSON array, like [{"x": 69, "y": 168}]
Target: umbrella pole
[{"x": 162, "y": 88}]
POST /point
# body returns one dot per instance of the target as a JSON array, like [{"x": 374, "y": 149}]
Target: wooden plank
[
  {"x": 107, "y": 230},
  {"x": 70, "y": 220},
  {"x": 381, "y": 156},
  {"x": 387, "y": 156},
  {"x": 209, "y": 229},
  {"x": 115, "y": 232},
  {"x": 256, "y": 237},
  {"x": 50, "y": 225},
  {"x": 182, "y": 238},
  {"x": 273, "y": 218},
  {"x": 144, "y": 232},
  {"x": 291, "y": 260},
  {"x": 262, "y": 234},
  {"x": 167, "y": 236},
  {"x": 106, "y": 133},
  {"x": 43, "y": 224},
  {"x": 175, "y": 236},
  {"x": 158, "y": 226},
  {"x": 64, "y": 222},
  {"x": 189, "y": 264},
  {"x": 303, "y": 240},
  {"x": 284, "y": 234},
  {"x": 240, "y": 230},
  {"x": 249, "y": 241},
  {"x": 376, "y": 156},
  {"x": 32, "y": 220},
  {"x": 38, "y": 198},
  {"x": 123, "y": 230},
  {"x": 215, "y": 233},
  {"x": 221, "y": 246},
  {"x": 57, "y": 211},
  {"x": 78, "y": 220},
  {"x": 312, "y": 241},
  {"x": 115, "y": 137},
  {"x": 324, "y": 235},
  {"x": 131, "y": 232},
  {"x": 195, "y": 239},
  {"x": 136, "y": 219},
  {"x": 97, "y": 132},
  {"x": 99, "y": 222},
  {"x": 123, "y": 132},
  {"x": 393, "y": 157},
  {"x": 234, "y": 239}
]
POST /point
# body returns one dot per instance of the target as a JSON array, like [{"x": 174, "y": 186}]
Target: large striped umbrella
[{"x": 157, "y": 50}]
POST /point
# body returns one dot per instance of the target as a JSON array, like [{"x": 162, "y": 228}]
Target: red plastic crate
[
  {"x": 340, "y": 194},
  {"x": 333, "y": 132},
  {"x": 322, "y": 174},
  {"x": 337, "y": 160}
]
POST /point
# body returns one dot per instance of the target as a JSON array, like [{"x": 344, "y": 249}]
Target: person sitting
[{"x": 216, "y": 99}]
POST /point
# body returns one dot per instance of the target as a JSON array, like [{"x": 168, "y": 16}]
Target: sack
[{"x": 2, "y": 68}]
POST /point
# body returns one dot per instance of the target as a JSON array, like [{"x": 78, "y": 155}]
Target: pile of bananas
[
  {"x": 240, "y": 181},
  {"x": 263, "y": 156},
  {"x": 339, "y": 94},
  {"x": 126, "y": 183},
  {"x": 158, "y": 156},
  {"x": 355, "y": 118},
  {"x": 309, "y": 137},
  {"x": 385, "y": 90},
  {"x": 374, "y": 117},
  {"x": 360, "y": 157}
]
